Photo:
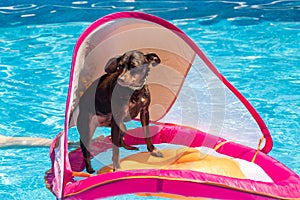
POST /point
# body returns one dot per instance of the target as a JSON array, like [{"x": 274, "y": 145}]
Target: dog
[{"x": 117, "y": 97}]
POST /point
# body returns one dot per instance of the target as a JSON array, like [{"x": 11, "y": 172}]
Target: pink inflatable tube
[{"x": 188, "y": 183}]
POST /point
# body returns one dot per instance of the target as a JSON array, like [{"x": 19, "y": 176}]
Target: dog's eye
[
  {"x": 121, "y": 67},
  {"x": 132, "y": 65}
]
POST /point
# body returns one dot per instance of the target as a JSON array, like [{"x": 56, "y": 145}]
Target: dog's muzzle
[
  {"x": 134, "y": 80},
  {"x": 132, "y": 86}
]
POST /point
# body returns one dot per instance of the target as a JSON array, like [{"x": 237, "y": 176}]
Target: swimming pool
[{"x": 254, "y": 45}]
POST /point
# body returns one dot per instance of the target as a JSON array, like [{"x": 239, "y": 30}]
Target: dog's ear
[
  {"x": 112, "y": 65},
  {"x": 153, "y": 58}
]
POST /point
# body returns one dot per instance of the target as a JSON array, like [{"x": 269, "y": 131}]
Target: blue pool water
[{"x": 253, "y": 43}]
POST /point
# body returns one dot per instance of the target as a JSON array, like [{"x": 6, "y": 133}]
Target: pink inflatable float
[{"x": 214, "y": 143}]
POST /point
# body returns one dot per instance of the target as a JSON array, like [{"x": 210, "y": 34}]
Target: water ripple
[
  {"x": 77, "y": 11},
  {"x": 115, "y": 6},
  {"x": 279, "y": 5},
  {"x": 17, "y": 8}
]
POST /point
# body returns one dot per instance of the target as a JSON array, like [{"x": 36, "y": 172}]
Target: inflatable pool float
[{"x": 214, "y": 143}]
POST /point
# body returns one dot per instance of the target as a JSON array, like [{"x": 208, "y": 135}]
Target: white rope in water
[{"x": 6, "y": 141}]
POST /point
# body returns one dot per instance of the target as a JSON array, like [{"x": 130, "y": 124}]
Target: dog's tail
[{"x": 6, "y": 141}]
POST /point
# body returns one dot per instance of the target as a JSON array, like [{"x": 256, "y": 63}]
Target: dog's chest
[
  {"x": 124, "y": 106},
  {"x": 128, "y": 113}
]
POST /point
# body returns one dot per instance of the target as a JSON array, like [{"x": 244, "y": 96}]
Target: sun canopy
[{"x": 186, "y": 89}]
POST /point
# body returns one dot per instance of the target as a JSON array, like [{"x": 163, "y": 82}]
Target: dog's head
[{"x": 133, "y": 67}]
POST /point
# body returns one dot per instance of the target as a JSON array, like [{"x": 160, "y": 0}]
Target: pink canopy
[{"x": 185, "y": 88}]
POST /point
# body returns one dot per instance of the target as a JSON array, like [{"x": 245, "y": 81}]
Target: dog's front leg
[
  {"x": 122, "y": 142},
  {"x": 120, "y": 123},
  {"x": 115, "y": 137},
  {"x": 145, "y": 125}
]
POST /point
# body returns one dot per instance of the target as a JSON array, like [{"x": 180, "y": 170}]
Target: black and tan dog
[{"x": 117, "y": 97}]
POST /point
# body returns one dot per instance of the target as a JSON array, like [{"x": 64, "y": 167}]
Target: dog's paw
[
  {"x": 116, "y": 169},
  {"x": 90, "y": 170},
  {"x": 128, "y": 147},
  {"x": 133, "y": 148},
  {"x": 156, "y": 153}
]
